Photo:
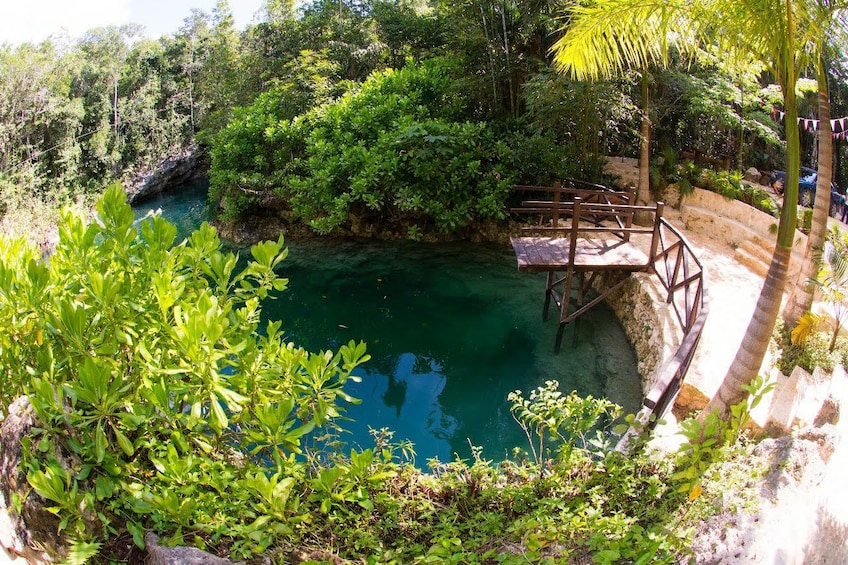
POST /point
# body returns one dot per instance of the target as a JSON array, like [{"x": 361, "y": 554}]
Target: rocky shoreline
[{"x": 189, "y": 165}]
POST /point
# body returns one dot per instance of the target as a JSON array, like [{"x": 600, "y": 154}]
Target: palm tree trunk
[
  {"x": 802, "y": 293},
  {"x": 752, "y": 350},
  {"x": 749, "y": 357},
  {"x": 644, "y": 194}
]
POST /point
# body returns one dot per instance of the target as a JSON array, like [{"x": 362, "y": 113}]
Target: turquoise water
[{"x": 451, "y": 329}]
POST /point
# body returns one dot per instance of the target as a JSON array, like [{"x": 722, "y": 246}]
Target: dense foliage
[
  {"x": 394, "y": 146},
  {"x": 153, "y": 389},
  {"x": 75, "y": 115},
  {"x": 161, "y": 405}
]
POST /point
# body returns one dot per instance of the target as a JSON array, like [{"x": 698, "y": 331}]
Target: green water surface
[{"x": 451, "y": 329}]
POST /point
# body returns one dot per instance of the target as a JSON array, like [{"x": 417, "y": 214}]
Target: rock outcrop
[
  {"x": 31, "y": 533},
  {"x": 188, "y": 166},
  {"x": 158, "y": 555}
]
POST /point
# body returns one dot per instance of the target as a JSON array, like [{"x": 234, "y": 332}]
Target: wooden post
[
  {"x": 557, "y": 197},
  {"x": 628, "y": 217},
  {"x": 575, "y": 228},
  {"x": 655, "y": 238},
  {"x": 569, "y": 272}
]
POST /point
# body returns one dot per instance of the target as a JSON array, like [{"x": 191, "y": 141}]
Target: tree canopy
[{"x": 78, "y": 115}]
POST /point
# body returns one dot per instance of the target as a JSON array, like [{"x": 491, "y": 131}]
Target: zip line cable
[{"x": 38, "y": 154}]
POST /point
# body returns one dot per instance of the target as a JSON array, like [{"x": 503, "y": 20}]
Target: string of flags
[{"x": 837, "y": 125}]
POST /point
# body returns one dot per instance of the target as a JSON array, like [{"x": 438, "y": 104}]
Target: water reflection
[
  {"x": 451, "y": 329},
  {"x": 405, "y": 400},
  {"x": 395, "y": 394}
]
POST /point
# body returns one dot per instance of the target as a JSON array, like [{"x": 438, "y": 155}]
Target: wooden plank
[
  {"x": 527, "y": 254},
  {"x": 536, "y": 254},
  {"x": 559, "y": 250},
  {"x": 551, "y": 254}
]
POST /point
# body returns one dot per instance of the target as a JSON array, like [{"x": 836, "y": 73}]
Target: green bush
[
  {"x": 729, "y": 184},
  {"x": 253, "y": 153},
  {"x": 152, "y": 385},
  {"x": 396, "y": 151},
  {"x": 540, "y": 159},
  {"x": 813, "y": 352},
  {"x": 665, "y": 169}
]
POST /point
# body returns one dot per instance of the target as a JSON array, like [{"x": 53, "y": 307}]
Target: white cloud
[{"x": 35, "y": 20}]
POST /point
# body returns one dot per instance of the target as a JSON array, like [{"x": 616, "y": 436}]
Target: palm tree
[
  {"x": 611, "y": 34},
  {"x": 825, "y": 12},
  {"x": 773, "y": 29},
  {"x": 801, "y": 295},
  {"x": 606, "y": 40}
]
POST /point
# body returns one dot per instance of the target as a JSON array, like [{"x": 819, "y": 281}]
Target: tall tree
[
  {"x": 608, "y": 36},
  {"x": 217, "y": 78},
  {"x": 102, "y": 51},
  {"x": 828, "y": 26},
  {"x": 802, "y": 292},
  {"x": 278, "y": 10},
  {"x": 775, "y": 31},
  {"x": 503, "y": 42}
]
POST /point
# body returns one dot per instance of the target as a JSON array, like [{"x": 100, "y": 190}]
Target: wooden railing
[
  {"x": 681, "y": 274},
  {"x": 671, "y": 259},
  {"x": 555, "y": 203}
]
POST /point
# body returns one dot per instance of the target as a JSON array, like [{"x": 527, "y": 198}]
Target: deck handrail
[
  {"x": 671, "y": 259},
  {"x": 682, "y": 275},
  {"x": 560, "y": 201}
]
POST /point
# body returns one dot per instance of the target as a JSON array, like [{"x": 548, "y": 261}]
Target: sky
[{"x": 35, "y": 20}]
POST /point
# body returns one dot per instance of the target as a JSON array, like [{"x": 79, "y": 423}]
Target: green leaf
[
  {"x": 100, "y": 443},
  {"x": 104, "y": 487},
  {"x": 219, "y": 417},
  {"x": 50, "y": 484},
  {"x": 80, "y": 552},
  {"x": 607, "y": 556},
  {"x": 124, "y": 442},
  {"x": 137, "y": 532}
]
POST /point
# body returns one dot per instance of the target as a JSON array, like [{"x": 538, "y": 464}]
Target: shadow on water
[
  {"x": 186, "y": 208},
  {"x": 451, "y": 328}
]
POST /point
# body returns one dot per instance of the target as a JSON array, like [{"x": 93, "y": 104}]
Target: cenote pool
[{"x": 451, "y": 329}]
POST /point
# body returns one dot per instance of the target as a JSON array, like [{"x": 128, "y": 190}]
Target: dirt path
[
  {"x": 803, "y": 511},
  {"x": 732, "y": 290}
]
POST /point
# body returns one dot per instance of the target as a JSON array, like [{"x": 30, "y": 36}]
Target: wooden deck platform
[
  {"x": 535, "y": 254},
  {"x": 581, "y": 233}
]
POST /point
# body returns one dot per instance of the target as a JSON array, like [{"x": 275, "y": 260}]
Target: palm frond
[
  {"x": 808, "y": 323},
  {"x": 608, "y": 37}
]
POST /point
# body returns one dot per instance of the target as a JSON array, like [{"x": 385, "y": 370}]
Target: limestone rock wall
[
  {"x": 751, "y": 232},
  {"x": 189, "y": 165},
  {"x": 624, "y": 169},
  {"x": 32, "y": 532},
  {"x": 647, "y": 321}
]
